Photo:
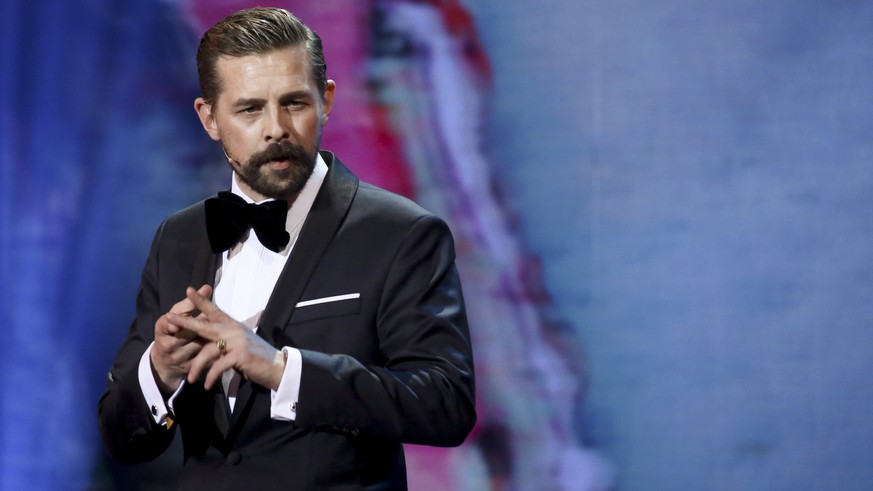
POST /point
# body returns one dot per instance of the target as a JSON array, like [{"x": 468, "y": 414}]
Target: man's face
[{"x": 268, "y": 117}]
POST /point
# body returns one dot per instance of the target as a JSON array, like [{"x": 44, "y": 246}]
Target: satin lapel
[
  {"x": 324, "y": 219},
  {"x": 243, "y": 401},
  {"x": 205, "y": 266},
  {"x": 221, "y": 410},
  {"x": 328, "y": 212}
]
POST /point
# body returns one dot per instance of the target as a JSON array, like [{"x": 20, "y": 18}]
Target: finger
[
  {"x": 183, "y": 307},
  {"x": 219, "y": 366},
  {"x": 204, "y": 359},
  {"x": 163, "y": 327},
  {"x": 171, "y": 334},
  {"x": 203, "y": 304},
  {"x": 199, "y": 325},
  {"x": 205, "y": 291},
  {"x": 208, "y": 355},
  {"x": 184, "y": 334},
  {"x": 211, "y": 361},
  {"x": 167, "y": 332},
  {"x": 186, "y": 306},
  {"x": 170, "y": 343},
  {"x": 186, "y": 353}
]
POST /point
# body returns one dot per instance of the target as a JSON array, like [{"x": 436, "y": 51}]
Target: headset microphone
[{"x": 228, "y": 157}]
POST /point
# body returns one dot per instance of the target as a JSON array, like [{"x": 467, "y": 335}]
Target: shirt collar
[{"x": 301, "y": 206}]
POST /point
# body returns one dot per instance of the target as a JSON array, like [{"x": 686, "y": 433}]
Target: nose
[{"x": 278, "y": 125}]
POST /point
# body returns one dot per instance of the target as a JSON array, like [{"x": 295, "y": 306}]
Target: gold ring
[{"x": 222, "y": 346}]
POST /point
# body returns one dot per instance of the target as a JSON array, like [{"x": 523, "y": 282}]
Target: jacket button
[{"x": 234, "y": 458}]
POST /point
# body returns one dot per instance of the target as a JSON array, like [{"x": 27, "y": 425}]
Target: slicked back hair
[{"x": 256, "y": 31}]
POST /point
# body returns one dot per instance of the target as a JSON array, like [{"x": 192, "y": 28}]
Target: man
[{"x": 328, "y": 327}]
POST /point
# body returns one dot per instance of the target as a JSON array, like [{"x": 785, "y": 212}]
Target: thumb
[{"x": 205, "y": 290}]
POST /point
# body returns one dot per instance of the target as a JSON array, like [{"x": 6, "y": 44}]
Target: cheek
[
  {"x": 237, "y": 140},
  {"x": 309, "y": 129}
]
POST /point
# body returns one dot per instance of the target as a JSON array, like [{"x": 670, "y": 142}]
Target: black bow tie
[{"x": 228, "y": 217}]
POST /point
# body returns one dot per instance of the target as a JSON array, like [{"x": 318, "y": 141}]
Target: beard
[{"x": 277, "y": 183}]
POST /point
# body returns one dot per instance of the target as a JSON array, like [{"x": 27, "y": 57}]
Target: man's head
[
  {"x": 256, "y": 31},
  {"x": 265, "y": 97}
]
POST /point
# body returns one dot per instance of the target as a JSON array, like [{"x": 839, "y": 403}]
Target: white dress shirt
[{"x": 243, "y": 285}]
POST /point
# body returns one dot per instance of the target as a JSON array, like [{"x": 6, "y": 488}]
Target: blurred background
[{"x": 663, "y": 212}]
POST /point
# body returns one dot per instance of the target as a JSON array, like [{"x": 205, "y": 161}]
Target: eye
[{"x": 250, "y": 110}]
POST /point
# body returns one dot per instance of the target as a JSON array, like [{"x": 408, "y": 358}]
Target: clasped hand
[{"x": 186, "y": 346}]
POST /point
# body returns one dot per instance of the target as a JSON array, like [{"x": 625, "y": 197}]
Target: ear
[
  {"x": 207, "y": 118},
  {"x": 327, "y": 101}
]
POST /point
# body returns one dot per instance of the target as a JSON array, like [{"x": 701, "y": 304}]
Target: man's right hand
[{"x": 175, "y": 347}]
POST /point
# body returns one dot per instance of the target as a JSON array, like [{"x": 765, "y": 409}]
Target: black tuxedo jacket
[{"x": 392, "y": 366}]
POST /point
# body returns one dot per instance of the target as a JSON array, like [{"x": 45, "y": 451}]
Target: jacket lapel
[
  {"x": 324, "y": 219},
  {"x": 205, "y": 266},
  {"x": 328, "y": 211},
  {"x": 220, "y": 410}
]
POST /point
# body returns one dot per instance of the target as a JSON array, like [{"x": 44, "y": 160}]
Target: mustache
[{"x": 284, "y": 150}]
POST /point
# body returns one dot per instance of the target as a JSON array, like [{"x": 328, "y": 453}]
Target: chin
[{"x": 287, "y": 186}]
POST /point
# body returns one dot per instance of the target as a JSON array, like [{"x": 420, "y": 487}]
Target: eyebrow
[
  {"x": 293, "y": 96},
  {"x": 283, "y": 99},
  {"x": 249, "y": 102}
]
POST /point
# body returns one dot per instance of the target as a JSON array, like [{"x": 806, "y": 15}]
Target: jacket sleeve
[
  {"x": 424, "y": 392},
  {"x": 128, "y": 430}
]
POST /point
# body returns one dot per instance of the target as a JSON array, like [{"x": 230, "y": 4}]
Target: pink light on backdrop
[
  {"x": 358, "y": 131},
  {"x": 412, "y": 78}
]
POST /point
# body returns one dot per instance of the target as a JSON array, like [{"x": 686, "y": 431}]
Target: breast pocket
[{"x": 320, "y": 308}]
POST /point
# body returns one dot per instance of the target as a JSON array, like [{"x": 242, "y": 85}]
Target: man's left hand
[{"x": 244, "y": 350}]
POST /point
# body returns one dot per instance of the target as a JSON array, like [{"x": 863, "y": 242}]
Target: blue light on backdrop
[{"x": 675, "y": 197}]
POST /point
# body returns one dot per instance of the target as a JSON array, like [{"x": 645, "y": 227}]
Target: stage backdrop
[{"x": 663, "y": 211}]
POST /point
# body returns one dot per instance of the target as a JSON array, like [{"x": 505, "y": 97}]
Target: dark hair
[{"x": 256, "y": 31}]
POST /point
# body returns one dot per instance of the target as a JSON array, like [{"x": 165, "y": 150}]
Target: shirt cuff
[
  {"x": 283, "y": 400},
  {"x": 161, "y": 411}
]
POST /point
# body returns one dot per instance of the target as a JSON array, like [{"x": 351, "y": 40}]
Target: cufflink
[
  {"x": 293, "y": 407},
  {"x": 154, "y": 410}
]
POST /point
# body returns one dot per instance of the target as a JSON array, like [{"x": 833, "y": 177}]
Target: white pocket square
[{"x": 335, "y": 298}]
